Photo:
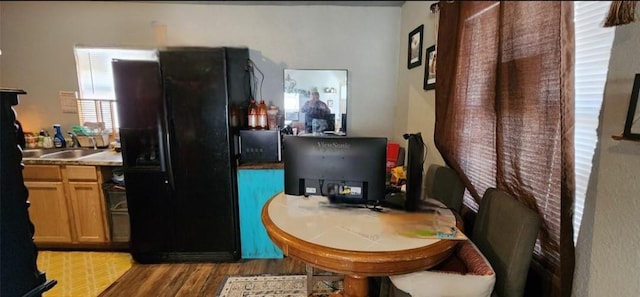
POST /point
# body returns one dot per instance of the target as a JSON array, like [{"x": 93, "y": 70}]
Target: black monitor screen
[{"x": 351, "y": 168}]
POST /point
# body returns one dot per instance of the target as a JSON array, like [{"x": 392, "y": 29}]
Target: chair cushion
[
  {"x": 478, "y": 280},
  {"x": 474, "y": 260}
]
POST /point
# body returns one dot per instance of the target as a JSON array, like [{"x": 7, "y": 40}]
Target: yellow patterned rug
[{"x": 82, "y": 274}]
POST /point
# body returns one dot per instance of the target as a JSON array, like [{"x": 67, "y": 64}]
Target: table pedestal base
[{"x": 355, "y": 286}]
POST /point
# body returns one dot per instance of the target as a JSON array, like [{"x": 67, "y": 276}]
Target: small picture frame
[
  {"x": 632, "y": 125},
  {"x": 414, "y": 56},
  {"x": 430, "y": 69}
]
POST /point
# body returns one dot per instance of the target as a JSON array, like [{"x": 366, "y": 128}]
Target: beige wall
[
  {"x": 414, "y": 106},
  {"x": 608, "y": 248},
  {"x": 38, "y": 40}
]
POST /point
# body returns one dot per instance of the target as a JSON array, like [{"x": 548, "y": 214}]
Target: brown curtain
[{"x": 504, "y": 114}]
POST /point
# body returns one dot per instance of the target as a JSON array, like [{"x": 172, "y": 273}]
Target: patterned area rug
[
  {"x": 82, "y": 274},
  {"x": 274, "y": 286}
]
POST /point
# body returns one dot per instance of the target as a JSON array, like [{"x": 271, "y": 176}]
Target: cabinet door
[
  {"x": 48, "y": 212},
  {"x": 88, "y": 211},
  {"x": 255, "y": 188}
]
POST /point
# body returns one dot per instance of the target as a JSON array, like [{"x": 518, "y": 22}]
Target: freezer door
[
  {"x": 141, "y": 110},
  {"x": 138, "y": 90},
  {"x": 151, "y": 216}
]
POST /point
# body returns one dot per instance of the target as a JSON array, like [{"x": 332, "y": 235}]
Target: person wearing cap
[{"x": 316, "y": 113}]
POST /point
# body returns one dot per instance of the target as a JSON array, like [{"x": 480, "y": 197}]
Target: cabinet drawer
[
  {"x": 42, "y": 173},
  {"x": 82, "y": 173}
]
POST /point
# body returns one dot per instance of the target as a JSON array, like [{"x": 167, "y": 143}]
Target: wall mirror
[{"x": 315, "y": 101}]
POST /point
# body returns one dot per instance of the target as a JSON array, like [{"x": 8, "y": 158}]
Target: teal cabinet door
[{"x": 255, "y": 187}]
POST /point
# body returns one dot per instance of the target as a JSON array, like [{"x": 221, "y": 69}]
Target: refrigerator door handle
[
  {"x": 170, "y": 178},
  {"x": 168, "y": 122},
  {"x": 165, "y": 160}
]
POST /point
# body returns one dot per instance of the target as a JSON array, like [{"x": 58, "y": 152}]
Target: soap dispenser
[{"x": 58, "y": 139}]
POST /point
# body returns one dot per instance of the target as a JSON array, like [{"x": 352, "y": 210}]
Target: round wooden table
[{"x": 353, "y": 241}]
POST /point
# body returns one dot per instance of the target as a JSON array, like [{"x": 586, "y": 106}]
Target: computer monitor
[
  {"x": 416, "y": 156},
  {"x": 344, "y": 169}
]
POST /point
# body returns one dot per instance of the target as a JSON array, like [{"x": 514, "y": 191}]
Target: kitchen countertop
[
  {"x": 273, "y": 165},
  {"x": 107, "y": 157},
  {"x": 104, "y": 158}
]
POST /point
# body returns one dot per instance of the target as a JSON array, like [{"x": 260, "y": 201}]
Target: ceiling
[{"x": 289, "y": 3}]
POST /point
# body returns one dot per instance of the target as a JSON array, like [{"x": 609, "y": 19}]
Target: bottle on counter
[
  {"x": 252, "y": 112},
  {"x": 272, "y": 116},
  {"x": 263, "y": 122},
  {"x": 48, "y": 142},
  {"x": 58, "y": 138},
  {"x": 41, "y": 136}
]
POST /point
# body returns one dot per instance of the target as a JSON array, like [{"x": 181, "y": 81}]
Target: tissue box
[{"x": 101, "y": 140}]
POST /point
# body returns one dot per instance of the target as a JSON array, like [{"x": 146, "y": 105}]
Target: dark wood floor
[{"x": 158, "y": 280}]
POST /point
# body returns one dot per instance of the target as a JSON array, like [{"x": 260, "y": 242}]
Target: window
[
  {"x": 95, "y": 81},
  {"x": 592, "y": 52},
  {"x": 500, "y": 114},
  {"x": 593, "y": 49}
]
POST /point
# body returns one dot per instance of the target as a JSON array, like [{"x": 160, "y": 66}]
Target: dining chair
[
  {"x": 442, "y": 183},
  {"x": 503, "y": 237}
]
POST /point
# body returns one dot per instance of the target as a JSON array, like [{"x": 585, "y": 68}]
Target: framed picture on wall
[
  {"x": 415, "y": 47},
  {"x": 632, "y": 125},
  {"x": 430, "y": 69}
]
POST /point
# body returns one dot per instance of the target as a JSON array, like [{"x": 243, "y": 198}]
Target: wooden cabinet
[
  {"x": 48, "y": 212},
  {"x": 67, "y": 204},
  {"x": 88, "y": 214}
]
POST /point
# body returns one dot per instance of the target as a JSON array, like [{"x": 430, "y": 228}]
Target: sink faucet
[
  {"x": 74, "y": 139},
  {"x": 92, "y": 140}
]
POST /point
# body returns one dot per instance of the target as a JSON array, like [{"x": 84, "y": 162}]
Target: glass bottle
[
  {"x": 272, "y": 116},
  {"x": 252, "y": 112},
  {"x": 262, "y": 116}
]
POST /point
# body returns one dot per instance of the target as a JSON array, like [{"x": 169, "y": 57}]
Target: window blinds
[
  {"x": 104, "y": 111},
  {"x": 593, "y": 49}
]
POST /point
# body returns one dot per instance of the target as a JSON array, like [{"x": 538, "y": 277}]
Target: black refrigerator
[{"x": 178, "y": 152}]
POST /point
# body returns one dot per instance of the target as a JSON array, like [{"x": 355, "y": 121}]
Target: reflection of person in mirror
[{"x": 315, "y": 109}]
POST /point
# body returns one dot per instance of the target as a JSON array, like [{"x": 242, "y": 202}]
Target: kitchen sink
[
  {"x": 36, "y": 153},
  {"x": 70, "y": 154}
]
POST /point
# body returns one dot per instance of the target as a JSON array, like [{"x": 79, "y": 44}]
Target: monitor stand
[
  {"x": 394, "y": 200},
  {"x": 341, "y": 201}
]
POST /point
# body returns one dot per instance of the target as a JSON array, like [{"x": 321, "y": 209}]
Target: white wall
[
  {"x": 608, "y": 248},
  {"x": 38, "y": 40},
  {"x": 415, "y": 107}
]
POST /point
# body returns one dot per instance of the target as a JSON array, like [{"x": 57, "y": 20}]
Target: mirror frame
[{"x": 335, "y": 95}]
